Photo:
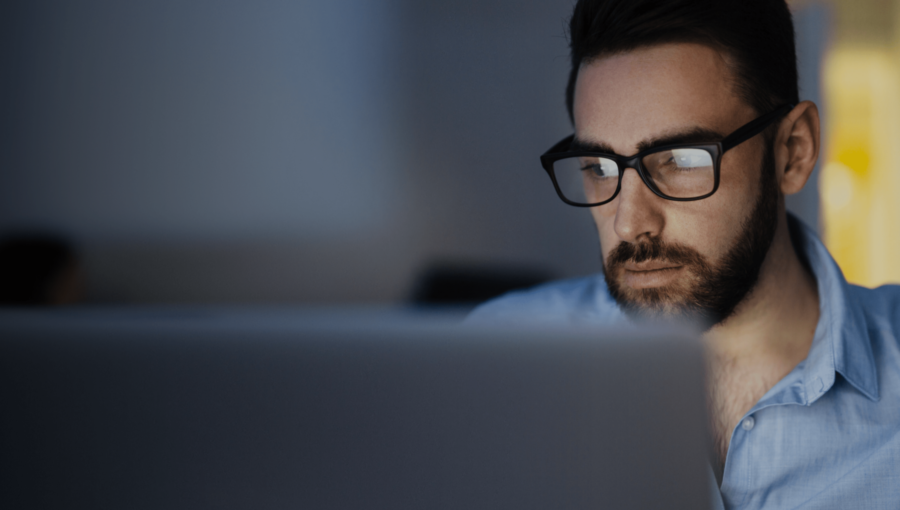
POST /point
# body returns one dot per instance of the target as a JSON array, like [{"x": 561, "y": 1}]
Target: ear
[{"x": 797, "y": 147}]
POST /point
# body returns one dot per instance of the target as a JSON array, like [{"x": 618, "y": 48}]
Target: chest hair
[{"x": 733, "y": 388}]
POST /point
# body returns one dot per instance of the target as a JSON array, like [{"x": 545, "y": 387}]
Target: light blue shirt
[{"x": 825, "y": 436}]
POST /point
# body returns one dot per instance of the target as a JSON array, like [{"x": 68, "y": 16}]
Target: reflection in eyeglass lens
[{"x": 681, "y": 173}]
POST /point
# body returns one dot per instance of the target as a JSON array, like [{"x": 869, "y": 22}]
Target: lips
[
  {"x": 650, "y": 265},
  {"x": 650, "y": 274}
]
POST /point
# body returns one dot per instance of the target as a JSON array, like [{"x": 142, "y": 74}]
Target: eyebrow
[{"x": 695, "y": 135}]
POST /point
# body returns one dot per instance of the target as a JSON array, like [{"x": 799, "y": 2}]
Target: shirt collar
[{"x": 841, "y": 342}]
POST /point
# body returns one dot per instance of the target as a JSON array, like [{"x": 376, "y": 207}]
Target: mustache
[{"x": 652, "y": 249}]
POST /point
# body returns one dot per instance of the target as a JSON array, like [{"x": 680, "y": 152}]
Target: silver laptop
[{"x": 236, "y": 408}]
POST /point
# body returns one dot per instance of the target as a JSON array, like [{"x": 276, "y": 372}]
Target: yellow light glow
[
  {"x": 859, "y": 183},
  {"x": 837, "y": 189}
]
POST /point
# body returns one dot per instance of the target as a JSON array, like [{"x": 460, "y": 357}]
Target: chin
[
  {"x": 669, "y": 303},
  {"x": 657, "y": 302}
]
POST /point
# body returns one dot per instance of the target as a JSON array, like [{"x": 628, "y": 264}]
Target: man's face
[{"x": 664, "y": 258}]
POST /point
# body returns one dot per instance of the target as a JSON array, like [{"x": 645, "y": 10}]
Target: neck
[
  {"x": 769, "y": 334},
  {"x": 777, "y": 320}
]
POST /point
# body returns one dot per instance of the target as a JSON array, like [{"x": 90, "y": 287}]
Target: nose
[{"x": 638, "y": 210}]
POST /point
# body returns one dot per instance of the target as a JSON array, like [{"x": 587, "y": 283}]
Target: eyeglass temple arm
[{"x": 754, "y": 128}]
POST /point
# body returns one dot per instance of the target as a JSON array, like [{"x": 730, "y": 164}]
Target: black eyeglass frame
[{"x": 715, "y": 149}]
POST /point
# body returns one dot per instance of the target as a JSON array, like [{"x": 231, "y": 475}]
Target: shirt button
[{"x": 748, "y": 423}]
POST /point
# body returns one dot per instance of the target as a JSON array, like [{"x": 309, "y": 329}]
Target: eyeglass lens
[{"x": 676, "y": 173}]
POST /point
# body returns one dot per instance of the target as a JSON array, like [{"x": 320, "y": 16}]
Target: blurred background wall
[{"x": 324, "y": 151}]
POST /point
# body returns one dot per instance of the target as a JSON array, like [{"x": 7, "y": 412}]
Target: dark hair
[{"x": 757, "y": 35}]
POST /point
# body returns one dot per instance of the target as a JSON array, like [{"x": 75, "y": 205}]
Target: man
[{"x": 689, "y": 132}]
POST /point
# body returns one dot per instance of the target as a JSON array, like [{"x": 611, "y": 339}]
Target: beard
[{"x": 709, "y": 293}]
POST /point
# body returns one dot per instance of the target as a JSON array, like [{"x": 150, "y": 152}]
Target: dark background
[{"x": 281, "y": 151}]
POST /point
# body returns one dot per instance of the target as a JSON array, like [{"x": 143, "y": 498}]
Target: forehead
[{"x": 651, "y": 92}]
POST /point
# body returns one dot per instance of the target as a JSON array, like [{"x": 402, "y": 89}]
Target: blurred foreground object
[
  {"x": 37, "y": 270},
  {"x": 339, "y": 409},
  {"x": 467, "y": 285}
]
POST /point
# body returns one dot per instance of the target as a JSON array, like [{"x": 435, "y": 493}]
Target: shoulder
[
  {"x": 881, "y": 304},
  {"x": 881, "y": 308},
  {"x": 573, "y": 301}
]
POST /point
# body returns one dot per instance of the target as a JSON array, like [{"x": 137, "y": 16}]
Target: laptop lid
[{"x": 225, "y": 408}]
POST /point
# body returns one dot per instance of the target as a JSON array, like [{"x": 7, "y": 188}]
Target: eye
[
  {"x": 661, "y": 159},
  {"x": 594, "y": 168}
]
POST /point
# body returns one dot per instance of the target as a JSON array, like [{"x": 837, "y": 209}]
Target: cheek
[
  {"x": 713, "y": 225},
  {"x": 605, "y": 219},
  {"x": 702, "y": 225},
  {"x": 739, "y": 182}
]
